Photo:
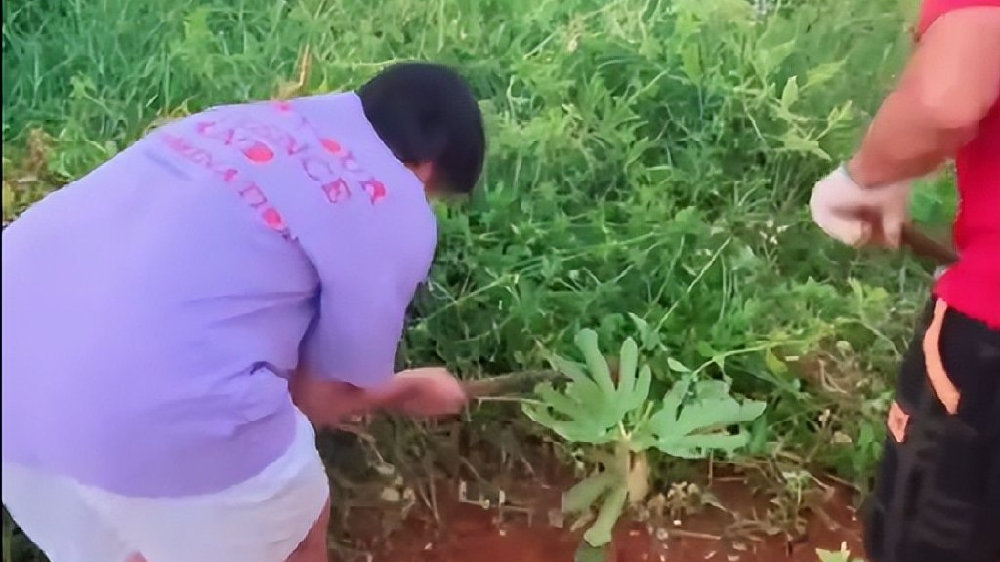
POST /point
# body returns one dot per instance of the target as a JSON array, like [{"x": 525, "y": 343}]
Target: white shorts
[{"x": 260, "y": 520}]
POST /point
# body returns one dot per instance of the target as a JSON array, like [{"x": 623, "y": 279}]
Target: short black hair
[{"x": 427, "y": 112}]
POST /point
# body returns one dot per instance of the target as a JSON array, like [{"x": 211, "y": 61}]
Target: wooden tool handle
[
  {"x": 512, "y": 383},
  {"x": 926, "y": 247}
]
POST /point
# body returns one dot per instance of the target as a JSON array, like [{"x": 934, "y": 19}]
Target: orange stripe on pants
[{"x": 940, "y": 381}]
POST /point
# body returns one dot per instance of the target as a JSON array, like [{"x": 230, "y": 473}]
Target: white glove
[{"x": 845, "y": 210}]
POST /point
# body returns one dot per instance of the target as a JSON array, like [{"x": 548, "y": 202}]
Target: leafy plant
[
  {"x": 620, "y": 419},
  {"x": 842, "y": 555}
]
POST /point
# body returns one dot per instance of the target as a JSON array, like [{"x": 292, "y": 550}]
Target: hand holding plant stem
[{"x": 428, "y": 391}]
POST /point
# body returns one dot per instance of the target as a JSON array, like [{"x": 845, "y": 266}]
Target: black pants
[{"x": 937, "y": 496}]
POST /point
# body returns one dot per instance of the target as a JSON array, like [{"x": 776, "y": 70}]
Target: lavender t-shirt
[{"x": 153, "y": 310}]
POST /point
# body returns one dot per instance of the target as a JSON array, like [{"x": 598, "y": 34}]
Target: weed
[{"x": 842, "y": 555}]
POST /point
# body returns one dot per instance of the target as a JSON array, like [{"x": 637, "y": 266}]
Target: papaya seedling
[{"x": 621, "y": 422}]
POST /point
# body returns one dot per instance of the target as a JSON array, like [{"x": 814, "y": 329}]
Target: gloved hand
[{"x": 857, "y": 215}]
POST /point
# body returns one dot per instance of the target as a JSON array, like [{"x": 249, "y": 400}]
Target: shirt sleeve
[
  {"x": 932, "y": 10},
  {"x": 364, "y": 292}
]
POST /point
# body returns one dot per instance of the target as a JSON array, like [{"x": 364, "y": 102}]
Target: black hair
[{"x": 427, "y": 112}]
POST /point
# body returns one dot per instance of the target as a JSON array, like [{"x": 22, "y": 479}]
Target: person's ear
[{"x": 424, "y": 172}]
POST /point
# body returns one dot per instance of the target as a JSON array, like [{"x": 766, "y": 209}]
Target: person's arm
[
  {"x": 348, "y": 356},
  {"x": 327, "y": 403},
  {"x": 368, "y": 274},
  {"x": 428, "y": 391},
  {"x": 946, "y": 89}
]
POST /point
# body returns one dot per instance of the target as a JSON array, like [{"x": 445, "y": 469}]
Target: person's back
[
  {"x": 155, "y": 310},
  {"x": 196, "y": 297}
]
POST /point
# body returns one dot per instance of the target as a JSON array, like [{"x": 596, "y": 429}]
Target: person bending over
[{"x": 176, "y": 322}]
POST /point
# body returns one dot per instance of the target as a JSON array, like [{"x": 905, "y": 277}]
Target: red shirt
[{"x": 972, "y": 286}]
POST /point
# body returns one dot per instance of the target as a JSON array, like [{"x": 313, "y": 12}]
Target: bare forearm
[
  {"x": 905, "y": 141},
  {"x": 328, "y": 403},
  {"x": 428, "y": 391},
  {"x": 947, "y": 88}
]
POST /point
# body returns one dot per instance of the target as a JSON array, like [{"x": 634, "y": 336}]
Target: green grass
[{"x": 646, "y": 157}]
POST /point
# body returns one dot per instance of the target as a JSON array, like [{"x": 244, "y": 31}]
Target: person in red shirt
[{"x": 937, "y": 494}]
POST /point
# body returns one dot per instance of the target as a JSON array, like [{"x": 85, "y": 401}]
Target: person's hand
[
  {"x": 857, "y": 215},
  {"x": 328, "y": 403},
  {"x": 429, "y": 391}
]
